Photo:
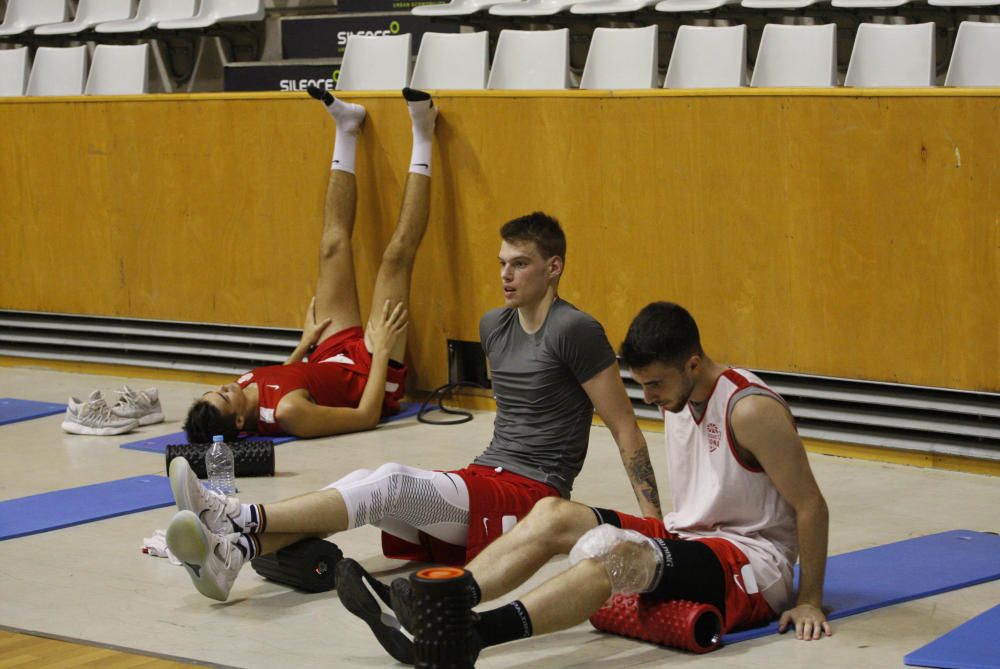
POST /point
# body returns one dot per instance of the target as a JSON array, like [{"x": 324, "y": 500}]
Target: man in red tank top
[
  {"x": 354, "y": 376},
  {"x": 744, "y": 503}
]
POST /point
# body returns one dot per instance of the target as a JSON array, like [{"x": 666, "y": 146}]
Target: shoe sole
[
  {"x": 400, "y": 594},
  {"x": 358, "y": 600},
  {"x": 178, "y": 483},
  {"x": 186, "y": 540},
  {"x": 76, "y": 428}
]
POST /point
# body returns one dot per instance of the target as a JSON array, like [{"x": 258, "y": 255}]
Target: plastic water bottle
[{"x": 220, "y": 466}]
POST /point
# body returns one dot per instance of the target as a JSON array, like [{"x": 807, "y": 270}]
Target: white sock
[
  {"x": 349, "y": 118},
  {"x": 423, "y": 114}
]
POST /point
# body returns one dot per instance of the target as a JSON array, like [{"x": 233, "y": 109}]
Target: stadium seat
[
  {"x": 119, "y": 70},
  {"x": 963, "y": 3},
  {"x": 13, "y": 72},
  {"x": 212, "y": 12},
  {"x": 792, "y": 56},
  {"x": 621, "y": 58},
  {"x": 692, "y": 5},
  {"x": 150, "y": 13},
  {"x": 531, "y": 59},
  {"x": 25, "y": 15},
  {"x": 58, "y": 71},
  {"x": 887, "y": 55},
  {"x": 870, "y": 4},
  {"x": 708, "y": 57},
  {"x": 535, "y": 7},
  {"x": 611, "y": 6},
  {"x": 457, "y": 7},
  {"x": 976, "y": 58},
  {"x": 88, "y": 14},
  {"x": 452, "y": 61},
  {"x": 778, "y": 4},
  {"x": 378, "y": 63}
]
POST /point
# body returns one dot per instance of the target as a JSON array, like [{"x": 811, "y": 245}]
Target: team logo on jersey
[{"x": 714, "y": 437}]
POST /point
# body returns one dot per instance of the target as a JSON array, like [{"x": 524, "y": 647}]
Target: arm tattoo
[{"x": 640, "y": 470}]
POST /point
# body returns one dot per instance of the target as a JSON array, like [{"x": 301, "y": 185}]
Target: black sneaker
[
  {"x": 401, "y": 600},
  {"x": 360, "y": 592}
]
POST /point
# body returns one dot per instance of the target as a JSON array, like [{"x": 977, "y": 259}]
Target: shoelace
[
  {"x": 131, "y": 398},
  {"x": 220, "y": 510},
  {"x": 100, "y": 409},
  {"x": 228, "y": 547}
]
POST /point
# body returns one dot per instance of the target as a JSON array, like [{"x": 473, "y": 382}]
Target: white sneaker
[
  {"x": 212, "y": 561},
  {"x": 94, "y": 417},
  {"x": 218, "y": 512},
  {"x": 143, "y": 405}
]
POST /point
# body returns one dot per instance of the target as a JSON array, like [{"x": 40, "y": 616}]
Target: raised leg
[{"x": 393, "y": 280}]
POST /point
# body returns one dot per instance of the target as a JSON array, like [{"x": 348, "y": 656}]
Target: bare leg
[
  {"x": 552, "y": 528},
  {"x": 336, "y": 290},
  {"x": 393, "y": 280},
  {"x": 569, "y": 598},
  {"x": 319, "y": 513}
]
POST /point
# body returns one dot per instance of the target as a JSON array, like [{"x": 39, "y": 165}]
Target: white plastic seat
[
  {"x": 88, "y": 14},
  {"x": 535, "y": 7},
  {"x": 863, "y": 4},
  {"x": 791, "y": 56},
  {"x": 778, "y": 4},
  {"x": 963, "y": 3},
  {"x": 611, "y": 6},
  {"x": 378, "y": 63},
  {"x": 531, "y": 59},
  {"x": 458, "y": 7},
  {"x": 119, "y": 70},
  {"x": 621, "y": 58},
  {"x": 452, "y": 61},
  {"x": 25, "y": 15},
  {"x": 150, "y": 13},
  {"x": 976, "y": 58},
  {"x": 13, "y": 72},
  {"x": 58, "y": 71},
  {"x": 708, "y": 57},
  {"x": 892, "y": 55},
  {"x": 692, "y": 5},
  {"x": 218, "y": 11}
]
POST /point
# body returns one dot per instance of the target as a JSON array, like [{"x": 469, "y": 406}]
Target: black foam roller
[
  {"x": 307, "y": 565},
  {"x": 250, "y": 458}
]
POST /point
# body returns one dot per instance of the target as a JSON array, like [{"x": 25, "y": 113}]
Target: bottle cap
[{"x": 217, "y": 438}]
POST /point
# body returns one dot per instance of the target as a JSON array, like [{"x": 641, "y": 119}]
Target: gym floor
[{"x": 91, "y": 582}]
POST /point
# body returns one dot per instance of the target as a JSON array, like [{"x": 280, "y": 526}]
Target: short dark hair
[
  {"x": 204, "y": 421},
  {"x": 662, "y": 332},
  {"x": 540, "y": 228}
]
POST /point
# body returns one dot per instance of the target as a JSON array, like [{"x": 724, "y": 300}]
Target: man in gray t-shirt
[
  {"x": 552, "y": 367},
  {"x": 543, "y": 413}
]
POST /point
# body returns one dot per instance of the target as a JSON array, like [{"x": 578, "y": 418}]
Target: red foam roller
[{"x": 676, "y": 623}]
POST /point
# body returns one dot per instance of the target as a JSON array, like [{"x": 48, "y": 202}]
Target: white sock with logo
[
  {"x": 423, "y": 114},
  {"x": 349, "y": 118}
]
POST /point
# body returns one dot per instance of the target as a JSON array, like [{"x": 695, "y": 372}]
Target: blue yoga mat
[
  {"x": 159, "y": 444},
  {"x": 885, "y": 575},
  {"x": 972, "y": 645},
  {"x": 74, "y": 506},
  {"x": 14, "y": 410}
]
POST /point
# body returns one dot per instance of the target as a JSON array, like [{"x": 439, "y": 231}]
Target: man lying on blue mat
[
  {"x": 552, "y": 366},
  {"x": 744, "y": 498},
  {"x": 354, "y": 376}
]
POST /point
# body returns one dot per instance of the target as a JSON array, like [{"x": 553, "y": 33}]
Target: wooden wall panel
[{"x": 840, "y": 234}]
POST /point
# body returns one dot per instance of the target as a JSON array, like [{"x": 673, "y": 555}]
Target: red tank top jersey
[
  {"x": 716, "y": 495},
  {"x": 335, "y": 376}
]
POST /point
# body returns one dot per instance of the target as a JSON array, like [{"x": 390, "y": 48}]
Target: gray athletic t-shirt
[{"x": 543, "y": 418}]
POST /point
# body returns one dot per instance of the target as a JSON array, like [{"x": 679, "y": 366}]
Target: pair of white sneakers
[
  {"x": 204, "y": 534},
  {"x": 95, "y": 417}
]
